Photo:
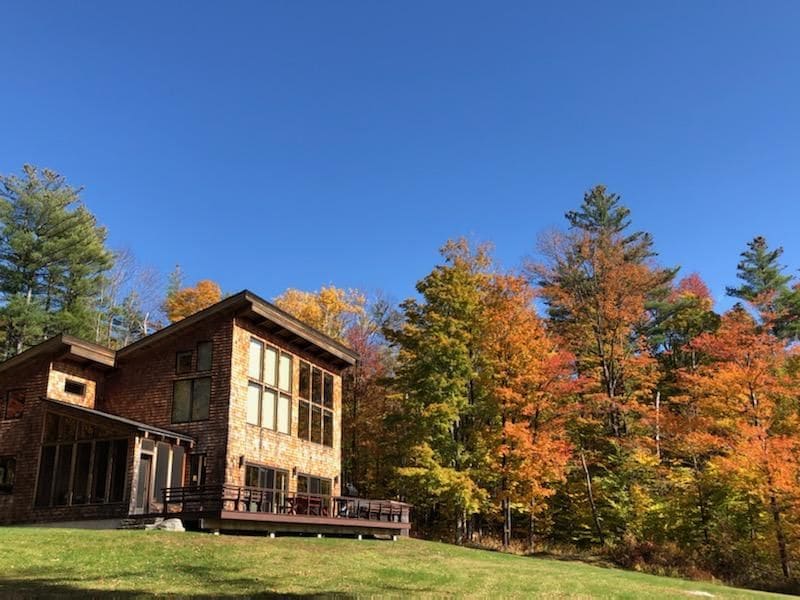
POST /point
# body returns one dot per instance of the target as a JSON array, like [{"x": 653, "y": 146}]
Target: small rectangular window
[
  {"x": 204, "y": 350},
  {"x": 74, "y": 387},
  {"x": 183, "y": 362},
  {"x": 8, "y": 467},
  {"x": 15, "y": 405}
]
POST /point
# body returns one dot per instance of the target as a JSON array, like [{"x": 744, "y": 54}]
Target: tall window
[
  {"x": 8, "y": 466},
  {"x": 269, "y": 400},
  {"x": 190, "y": 399},
  {"x": 315, "y": 408},
  {"x": 75, "y": 467},
  {"x": 12, "y": 406}
]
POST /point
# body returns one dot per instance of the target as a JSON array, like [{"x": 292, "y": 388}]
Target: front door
[{"x": 143, "y": 484}]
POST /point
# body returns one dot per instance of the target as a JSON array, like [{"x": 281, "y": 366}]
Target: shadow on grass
[
  {"x": 56, "y": 583},
  {"x": 26, "y": 588}
]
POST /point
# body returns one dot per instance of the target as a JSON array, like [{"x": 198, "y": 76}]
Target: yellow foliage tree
[
  {"x": 331, "y": 310},
  {"x": 189, "y": 300}
]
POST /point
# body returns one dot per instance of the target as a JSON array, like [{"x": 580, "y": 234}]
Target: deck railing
[{"x": 206, "y": 498}]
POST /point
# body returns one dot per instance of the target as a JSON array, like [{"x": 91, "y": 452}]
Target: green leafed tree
[
  {"x": 437, "y": 378},
  {"x": 52, "y": 259}
]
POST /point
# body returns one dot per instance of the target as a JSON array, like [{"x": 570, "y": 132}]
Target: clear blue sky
[{"x": 277, "y": 144}]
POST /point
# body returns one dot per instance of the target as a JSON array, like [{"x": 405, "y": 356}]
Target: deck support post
[
  {"x": 394, "y": 538},
  {"x": 360, "y": 537}
]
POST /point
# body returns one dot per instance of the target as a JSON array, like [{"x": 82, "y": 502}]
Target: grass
[{"x": 39, "y": 562}]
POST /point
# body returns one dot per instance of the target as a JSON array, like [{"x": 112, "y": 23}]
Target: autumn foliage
[
  {"x": 593, "y": 401},
  {"x": 187, "y": 301}
]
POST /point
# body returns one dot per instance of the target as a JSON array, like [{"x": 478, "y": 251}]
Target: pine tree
[{"x": 52, "y": 259}]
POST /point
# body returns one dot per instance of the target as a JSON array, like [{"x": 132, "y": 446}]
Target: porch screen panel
[
  {"x": 119, "y": 467},
  {"x": 47, "y": 465},
  {"x": 63, "y": 474},
  {"x": 80, "y": 485}
]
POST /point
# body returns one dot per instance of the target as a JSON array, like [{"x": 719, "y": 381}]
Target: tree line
[{"x": 591, "y": 400}]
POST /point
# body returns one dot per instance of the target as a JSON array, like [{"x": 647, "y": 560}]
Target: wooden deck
[{"x": 232, "y": 508}]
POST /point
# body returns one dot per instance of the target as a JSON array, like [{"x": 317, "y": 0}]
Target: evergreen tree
[
  {"x": 767, "y": 289},
  {"x": 52, "y": 259}
]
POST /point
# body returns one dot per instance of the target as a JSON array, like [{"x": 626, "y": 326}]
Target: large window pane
[
  {"x": 46, "y": 469},
  {"x": 316, "y": 424},
  {"x": 327, "y": 395},
  {"x": 270, "y": 366},
  {"x": 204, "y": 356},
  {"x": 316, "y": 385},
  {"x": 327, "y": 428},
  {"x": 251, "y": 476},
  {"x": 285, "y": 375},
  {"x": 253, "y": 403},
  {"x": 303, "y": 415},
  {"x": 284, "y": 413},
  {"x": 201, "y": 395},
  {"x": 268, "y": 409},
  {"x": 256, "y": 354},
  {"x": 181, "y": 401},
  {"x": 305, "y": 381}
]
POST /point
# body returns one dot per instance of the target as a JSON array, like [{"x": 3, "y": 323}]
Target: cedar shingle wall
[
  {"x": 270, "y": 448},
  {"x": 141, "y": 389}
]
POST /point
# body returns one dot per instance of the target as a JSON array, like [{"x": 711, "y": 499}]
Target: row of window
[
  {"x": 269, "y": 392},
  {"x": 277, "y": 480},
  {"x": 82, "y": 473}
]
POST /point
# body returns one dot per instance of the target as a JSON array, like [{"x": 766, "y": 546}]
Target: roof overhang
[
  {"x": 65, "y": 346},
  {"x": 265, "y": 314},
  {"x": 130, "y": 424}
]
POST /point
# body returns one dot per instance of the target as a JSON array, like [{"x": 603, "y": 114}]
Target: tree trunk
[
  {"x": 780, "y": 537},
  {"x": 658, "y": 425},
  {"x": 592, "y": 504}
]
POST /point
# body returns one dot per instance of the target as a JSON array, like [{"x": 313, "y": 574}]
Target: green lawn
[{"x": 128, "y": 564}]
